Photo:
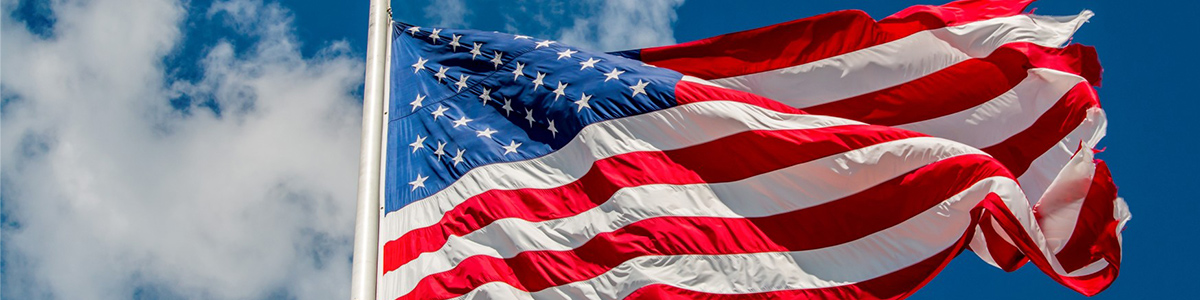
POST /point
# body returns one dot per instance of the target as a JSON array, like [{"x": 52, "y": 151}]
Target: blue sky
[{"x": 160, "y": 149}]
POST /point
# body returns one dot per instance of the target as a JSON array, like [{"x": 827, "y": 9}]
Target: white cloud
[
  {"x": 111, "y": 191},
  {"x": 624, "y": 24},
  {"x": 117, "y": 192},
  {"x": 448, "y": 13}
]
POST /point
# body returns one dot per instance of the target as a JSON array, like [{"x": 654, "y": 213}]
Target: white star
[
  {"x": 519, "y": 37},
  {"x": 419, "y": 182},
  {"x": 440, "y": 111},
  {"x": 454, "y": 44},
  {"x": 553, "y": 131},
  {"x": 476, "y": 51},
  {"x": 543, "y": 44},
  {"x": 461, "y": 122},
  {"x": 485, "y": 96},
  {"x": 614, "y": 74},
  {"x": 640, "y": 87},
  {"x": 434, "y": 36},
  {"x": 583, "y": 102},
  {"x": 418, "y": 144},
  {"x": 441, "y": 150},
  {"x": 566, "y": 53},
  {"x": 417, "y": 103},
  {"x": 520, "y": 71},
  {"x": 457, "y": 157},
  {"x": 441, "y": 73},
  {"x": 590, "y": 63},
  {"x": 413, "y": 30},
  {"x": 486, "y": 132},
  {"x": 561, "y": 90},
  {"x": 511, "y": 148},
  {"x": 497, "y": 60},
  {"x": 420, "y": 65},
  {"x": 529, "y": 116},
  {"x": 538, "y": 81},
  {"x": 462, "y": 81},
  {"x": 507, "y": 107}
]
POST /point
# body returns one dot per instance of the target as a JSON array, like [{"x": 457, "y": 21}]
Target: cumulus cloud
[
  {"x": 241, "y": 189},
  {"x": 624, "y": 24},
  {"x": 119, "y": 180},
  {"x": 448, "y": 13}
]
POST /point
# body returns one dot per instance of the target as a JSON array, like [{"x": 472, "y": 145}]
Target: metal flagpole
[{"x": 366, "y": 226}]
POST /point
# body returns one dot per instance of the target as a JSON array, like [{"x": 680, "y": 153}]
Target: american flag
[{"x": 829, "y": 157}]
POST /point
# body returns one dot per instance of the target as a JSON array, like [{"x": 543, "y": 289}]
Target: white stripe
[
  {"x": 794, "y": 188},
  {"x": 999, "y": 229},
  {"x": 979, "y": 39},
  {"x": 1043, "y": 170},
  {"x": 979, "y": 246},
  {"x": 996, "y": 120},
  {"x": 694, "y": 79},
  {"x": 1094, "y": 267},
  {"x": 655, "y": 131},
  {"x": 1059, "y": 208},
  {"x": 903, "y": 60},
  {"x": 1122, "y": 215},
  {"x": 878, "y": 254}
]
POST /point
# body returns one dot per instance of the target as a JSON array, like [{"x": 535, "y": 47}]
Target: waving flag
[{"x": 756, "y": 164}]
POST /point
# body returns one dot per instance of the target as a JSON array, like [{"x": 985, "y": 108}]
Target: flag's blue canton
[{"x": 462, "y": 99}]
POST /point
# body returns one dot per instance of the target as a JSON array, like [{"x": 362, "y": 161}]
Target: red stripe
[
  {"x": 962, "y": 85},
  {"x": 689, "y": 92},
  {"x": 925, "y": 17},
  {"x": 682, "y": 166},
  {"x": 1006, "y": 255},
  {"x": 810, "y": 39},
  {"x": 895, "y": 285},
  {"x": 1089, "y": 284},
  {"x": 1095, "y": 235},
  {"x": 821, "y": 226},
  {"x": 1020, "y": 150}
]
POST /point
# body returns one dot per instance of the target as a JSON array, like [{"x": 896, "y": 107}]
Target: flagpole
[{"x": 366, "y": 226}]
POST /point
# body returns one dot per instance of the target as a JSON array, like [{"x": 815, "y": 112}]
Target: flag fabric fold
[{"x": 829, "y": 157}]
